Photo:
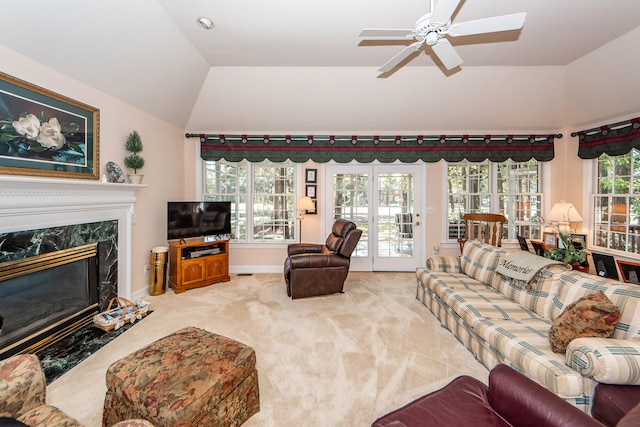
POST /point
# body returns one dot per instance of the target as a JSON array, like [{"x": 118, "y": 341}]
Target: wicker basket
[{"x": 120, "y": 312}]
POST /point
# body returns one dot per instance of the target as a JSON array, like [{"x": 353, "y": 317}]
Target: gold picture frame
[{"x": 43, "y": 133}]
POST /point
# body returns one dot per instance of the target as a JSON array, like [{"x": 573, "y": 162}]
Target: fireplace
[
  {"x": 45, "y": 297},
  {"x": 45, "y": 220}
]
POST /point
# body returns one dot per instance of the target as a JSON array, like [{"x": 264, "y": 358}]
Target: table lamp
[{"x": 563, "y": 214}]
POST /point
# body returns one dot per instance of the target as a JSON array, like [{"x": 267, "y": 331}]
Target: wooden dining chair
[{"x": 486, "y": 228}]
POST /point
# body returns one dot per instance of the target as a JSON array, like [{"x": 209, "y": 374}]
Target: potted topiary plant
[{"x": 134, "y": 160}]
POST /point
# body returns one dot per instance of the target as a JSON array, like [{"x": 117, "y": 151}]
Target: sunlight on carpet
[{"x": 342, "y": 359}]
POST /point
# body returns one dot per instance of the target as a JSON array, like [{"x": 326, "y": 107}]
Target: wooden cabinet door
[
  {"x": 193, "y": 271},
  {"x": 216, "y": 267}
]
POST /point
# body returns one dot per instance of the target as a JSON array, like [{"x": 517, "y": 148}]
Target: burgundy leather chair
[
  {"x": 510, "y": 400},
  {"x": 612, "y": 403},
  {"x": 316, "y": 269}
]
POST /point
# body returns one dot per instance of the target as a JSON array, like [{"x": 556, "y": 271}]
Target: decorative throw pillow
[{"x": 593, "y": 315}]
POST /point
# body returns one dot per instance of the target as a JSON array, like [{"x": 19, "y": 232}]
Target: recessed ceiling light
[{"x": 205, "y": 23}]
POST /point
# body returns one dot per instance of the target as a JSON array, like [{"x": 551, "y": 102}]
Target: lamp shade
[
  {"x": 305, "y": 204},
  {"x": 563, "y": 212}
]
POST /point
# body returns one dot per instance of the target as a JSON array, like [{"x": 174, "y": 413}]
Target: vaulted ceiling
[{"x": 153, "y": 55}]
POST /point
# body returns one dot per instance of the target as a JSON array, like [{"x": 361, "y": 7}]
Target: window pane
[
  {"x": 616, "y": 203},
  {"x": 228, "y": 182},
  {"x": 468, "y": 186},
  {"x": 273, "y": 202},
  {"x": 350, "y": 201},
  {"x": 264, "y": 204},
  {"x": 520, "y": 201},
  {"x": 394, "y": 213},
  {"x": 509, "y": 188}
]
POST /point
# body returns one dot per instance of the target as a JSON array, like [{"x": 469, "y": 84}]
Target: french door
[{"x": 386, "y": 202}]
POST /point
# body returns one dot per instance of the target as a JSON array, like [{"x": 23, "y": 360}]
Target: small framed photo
[
  {"x": 311, "y": 175},
  {"x": 630, "y": 271},
  {"x": 550, "y": 239},
  {"x": 310, "y": 190}
]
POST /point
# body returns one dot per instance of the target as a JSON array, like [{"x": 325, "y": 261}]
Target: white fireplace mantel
[{"x": 28, "y": 203}]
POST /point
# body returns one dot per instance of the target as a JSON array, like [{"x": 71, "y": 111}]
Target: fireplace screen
[{"x": 42, "y": 296}]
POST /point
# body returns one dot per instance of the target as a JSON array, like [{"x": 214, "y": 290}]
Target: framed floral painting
[{"x": 43, "y": 133}]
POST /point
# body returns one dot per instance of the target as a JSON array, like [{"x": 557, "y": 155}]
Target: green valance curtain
[
  {"x": 614, "y": 139},
  {"x": 385, "y": 149}
]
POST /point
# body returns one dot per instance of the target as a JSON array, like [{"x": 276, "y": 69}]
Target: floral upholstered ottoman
[{"x": 189, "y": 378}]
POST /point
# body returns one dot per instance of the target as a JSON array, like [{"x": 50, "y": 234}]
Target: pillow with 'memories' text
[{"x": 593, "y": 315}]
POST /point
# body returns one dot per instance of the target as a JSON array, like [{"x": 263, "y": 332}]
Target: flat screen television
[{"x": 198, "y": 219}]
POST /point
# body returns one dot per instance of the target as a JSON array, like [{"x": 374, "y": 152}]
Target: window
[
  {"x": 262, "y": 196},
  {"x": 510, "y": 188},
  {"x": 616, "y": 202}
]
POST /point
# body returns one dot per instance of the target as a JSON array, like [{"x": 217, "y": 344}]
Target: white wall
[
  {"x": 163, "y": 153},
  {"x": 603, "y": 87},
  {"x": 348, "y": 99}
]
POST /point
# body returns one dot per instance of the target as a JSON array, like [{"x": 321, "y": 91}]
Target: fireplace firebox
[{"x": 45, "y": 297}]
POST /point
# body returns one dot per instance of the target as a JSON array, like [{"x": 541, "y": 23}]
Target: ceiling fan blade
[
  {"x": 488, "y": 25},
  {"x": 386, "y": 33},
  {"x": 404, "y": 53},
  {"x": 443, "y": 10},
  {"x": 447, "y": 54}
]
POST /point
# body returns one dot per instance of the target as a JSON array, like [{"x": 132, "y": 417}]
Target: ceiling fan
[{"x": 434, "y": 26}]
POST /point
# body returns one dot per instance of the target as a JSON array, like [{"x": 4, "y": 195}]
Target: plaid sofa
[{"x": 502, "y": 322}]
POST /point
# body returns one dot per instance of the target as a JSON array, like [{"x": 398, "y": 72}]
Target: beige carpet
[{"x": 343, "y": 359}]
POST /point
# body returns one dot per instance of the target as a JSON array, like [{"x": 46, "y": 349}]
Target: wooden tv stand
[{"x": 194, "y": 263}]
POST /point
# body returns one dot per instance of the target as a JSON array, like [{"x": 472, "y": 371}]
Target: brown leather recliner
[{"x": 315, "y": 269}]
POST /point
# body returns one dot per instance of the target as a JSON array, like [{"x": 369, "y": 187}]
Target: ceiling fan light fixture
[
  {"x": 434, "y": 29},
  {"x": 205, "y": 23},
  {"x": 432, "y": 38}
]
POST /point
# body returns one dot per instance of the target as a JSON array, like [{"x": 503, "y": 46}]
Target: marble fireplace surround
[{"x": 28, "y": 203}]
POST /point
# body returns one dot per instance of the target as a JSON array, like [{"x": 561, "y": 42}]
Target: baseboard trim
[
  {"x": 140, "y": 294},
  {"x": 238, "y": 269},
  {"x": 256, "y": 269}
]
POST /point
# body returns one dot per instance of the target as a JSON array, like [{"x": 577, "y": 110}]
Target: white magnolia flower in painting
[
  {"x": 51, "y": 135},
  {"x": 28, "y": 126}
]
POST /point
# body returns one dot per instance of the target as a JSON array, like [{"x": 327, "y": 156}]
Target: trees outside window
[
  {"x": 616, "y": 202},
  {"x": 262, "y": 196},
  {"x": 510, "y": 188}
]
